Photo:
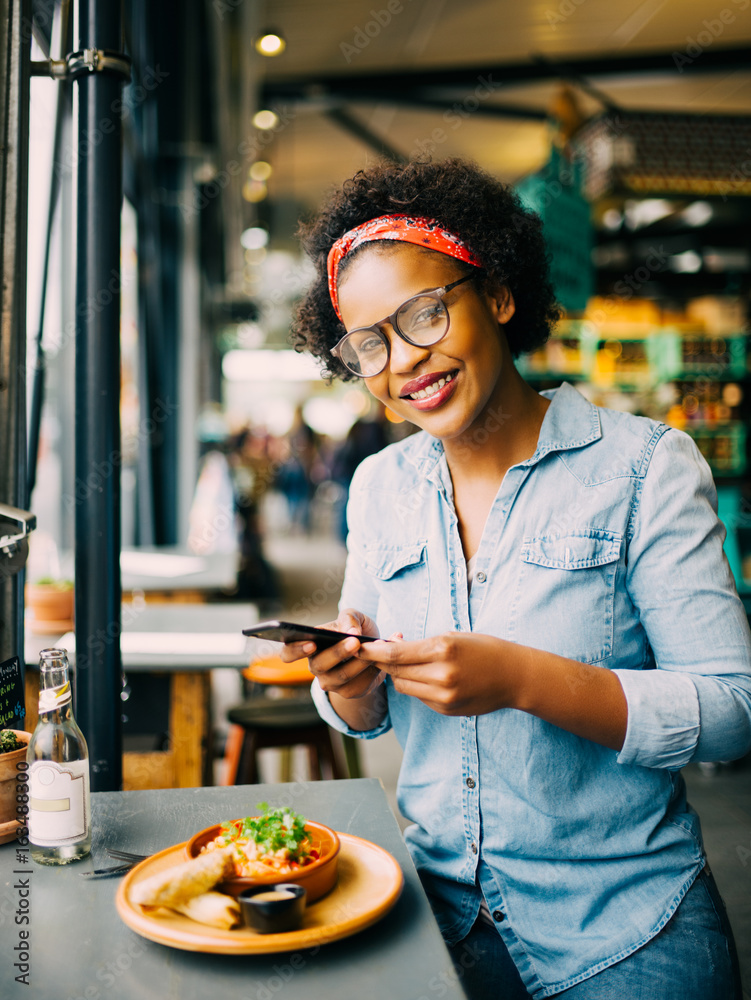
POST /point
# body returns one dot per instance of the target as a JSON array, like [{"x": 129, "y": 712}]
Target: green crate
[
  {"x": 690, "y": 355},
  {"x": 729, "y": 510},
  {"x": 554, "y": 193},
  {"x": 723, "y": 446}
]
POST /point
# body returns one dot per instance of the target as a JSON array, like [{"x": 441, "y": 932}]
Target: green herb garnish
[
  {"x": 272, "y": 831},
  {"x": 9, "y": 742}
]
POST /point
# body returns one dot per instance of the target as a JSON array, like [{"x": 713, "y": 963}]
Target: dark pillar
[{"x": 98, "y": 588}]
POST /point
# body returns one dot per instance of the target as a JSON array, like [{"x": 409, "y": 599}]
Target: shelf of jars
[
  {"x": 691, "y": 370},
  {"x": 683, "y": 373}
]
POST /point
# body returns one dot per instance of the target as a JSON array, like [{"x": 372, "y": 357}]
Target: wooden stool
[
  {"x": 288, "y": 719},
  {"x": 279, "y": 722}
]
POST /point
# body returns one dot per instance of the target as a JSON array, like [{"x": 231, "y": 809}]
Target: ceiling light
[
  {"x": 685, "y": 263},
  {"x": 260, "y": 170},
  {"x": 270, "y": 43},
  {"x": 698, "y": 213},
  {"x": 265, "y": 120},
  {"x": 254, "y": 191},
  {"x": 205, "y": 172},
  {"x": 254, "y": 238},
  {"x": 255, "y": 257},
  {"x": 612, "y": 219},
  {"x": 645, "y": 212}
]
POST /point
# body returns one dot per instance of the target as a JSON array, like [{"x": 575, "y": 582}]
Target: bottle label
[
  {"x": 54, "y": 697},
  {"x": 58, "y": 802}
]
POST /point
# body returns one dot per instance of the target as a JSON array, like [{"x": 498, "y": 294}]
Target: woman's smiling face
[{"x": 468, "y": 365}]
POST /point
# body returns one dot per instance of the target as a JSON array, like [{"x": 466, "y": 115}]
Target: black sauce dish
[{"x": 271, "y": 909}]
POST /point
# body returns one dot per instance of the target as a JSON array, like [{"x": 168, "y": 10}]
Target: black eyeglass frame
[{"x": 435, "y": 293}]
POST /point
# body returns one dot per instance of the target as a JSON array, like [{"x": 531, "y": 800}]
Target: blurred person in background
[
  {"x": 295, "y": 478},
  {"x": 365, "y": 437},
  {"x": 251, "y": 469}
]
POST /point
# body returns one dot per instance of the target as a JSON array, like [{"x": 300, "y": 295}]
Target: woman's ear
[{"x": 502, "y": 302}]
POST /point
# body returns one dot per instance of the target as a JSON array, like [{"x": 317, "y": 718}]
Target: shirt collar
[{"x": 570, "y": 421}]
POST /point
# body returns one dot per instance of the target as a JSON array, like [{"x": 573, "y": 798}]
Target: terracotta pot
[
  {"x": 50, "y": 602},
  {"x": 8, "y": 784}
]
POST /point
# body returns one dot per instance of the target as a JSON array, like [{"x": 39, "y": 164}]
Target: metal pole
[
  {"x": 98, "y": 455},
  {"x": 15, "y": 47}
]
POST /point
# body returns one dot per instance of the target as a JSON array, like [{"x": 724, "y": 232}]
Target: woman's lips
[{"x": 432, "y": 399}]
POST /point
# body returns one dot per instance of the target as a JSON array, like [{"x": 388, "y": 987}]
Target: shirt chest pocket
[
  {"x": 566, "y": 593},
  {"x": 400, "y": 575}
]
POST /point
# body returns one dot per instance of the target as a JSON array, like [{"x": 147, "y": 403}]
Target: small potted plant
[
  {"x": 13, "y": 744},
  {"x": 51, "y": 600}
]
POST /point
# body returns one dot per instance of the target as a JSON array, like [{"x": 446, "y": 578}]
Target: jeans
[{"x": 692, "y": 958}]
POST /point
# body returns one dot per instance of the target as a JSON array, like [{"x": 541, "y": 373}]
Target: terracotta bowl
[{"x": 317, "y": 878}]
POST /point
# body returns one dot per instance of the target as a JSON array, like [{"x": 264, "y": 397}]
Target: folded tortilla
[
  {"x": 177, "y": 886},
  {"x": 214, "y": 909}
]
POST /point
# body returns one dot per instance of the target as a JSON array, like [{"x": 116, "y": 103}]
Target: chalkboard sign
[{"x": 12, "y": 708}]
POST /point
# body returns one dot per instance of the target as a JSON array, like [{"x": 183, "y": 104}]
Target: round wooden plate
[{"x": 369, "y": 884}]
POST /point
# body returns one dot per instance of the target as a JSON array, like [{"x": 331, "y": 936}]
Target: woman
[{"x": 565, "y": 632}]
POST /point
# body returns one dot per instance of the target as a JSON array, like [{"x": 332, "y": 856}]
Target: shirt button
[
  {"x": 471, "y": 782},
  {"x": 481, "y": 578},
  {"x": 473, "y": 848},
  {"x": 497, "y": 916}
]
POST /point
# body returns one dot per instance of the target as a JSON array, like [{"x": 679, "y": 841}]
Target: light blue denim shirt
[{"x": 603, "y": 547}]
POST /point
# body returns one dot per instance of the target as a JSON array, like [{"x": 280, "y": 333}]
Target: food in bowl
[
  {"x": 277, "y": 846},
  {"x": 275, "y": 843}
]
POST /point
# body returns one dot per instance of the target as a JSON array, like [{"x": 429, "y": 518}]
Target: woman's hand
[
  {"x": 457, "y": 673},
  {"x": 351, "y": 684},
  {"x": 465, "y": 673}
]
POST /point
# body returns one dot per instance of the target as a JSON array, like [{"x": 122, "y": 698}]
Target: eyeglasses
[{"x": 421, "y": 321}]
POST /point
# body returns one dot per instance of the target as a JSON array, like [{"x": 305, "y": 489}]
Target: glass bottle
[{"x": 58, "y": 759}]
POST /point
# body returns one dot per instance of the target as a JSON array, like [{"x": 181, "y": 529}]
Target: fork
[
  {"x": 116, "y": 870},
  {"x": 126, "y": 855},
  {"x": 128, "y": 861}
]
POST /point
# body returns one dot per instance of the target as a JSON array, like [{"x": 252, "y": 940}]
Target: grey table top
[
  {"x": 175, "y": 567},
  {"x": 167, "y": 567},
  {"x": 79, "y": 947},
  {"x": 173, "y": 637}
]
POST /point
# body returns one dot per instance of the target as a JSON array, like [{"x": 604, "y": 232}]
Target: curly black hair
[{"x": 486, "y": 214}]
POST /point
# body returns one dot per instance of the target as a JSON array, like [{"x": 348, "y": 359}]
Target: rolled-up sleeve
[
  {"x": 330, "y": 717},
  {"x": 358, "y": 593},
  {"x": 696, "y": 704}
]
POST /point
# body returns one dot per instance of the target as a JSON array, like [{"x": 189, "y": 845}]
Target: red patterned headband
[{"x": 427, "y": 233}]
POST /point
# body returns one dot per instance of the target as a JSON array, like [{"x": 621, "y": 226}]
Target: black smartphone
[{"x": 291, "y": 632}]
